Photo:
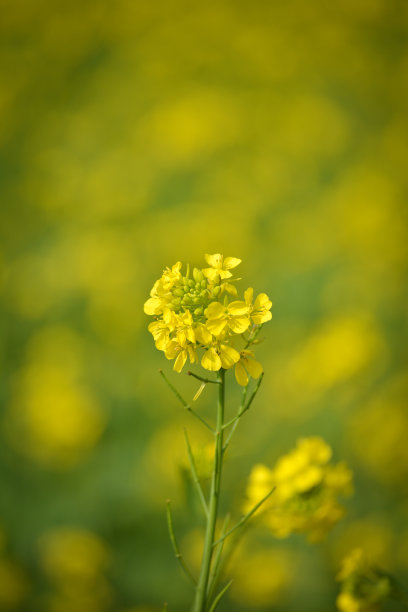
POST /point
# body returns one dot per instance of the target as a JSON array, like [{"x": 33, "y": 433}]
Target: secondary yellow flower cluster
[
  {"x": 195, "y": 312},
  {"x": 306, "y": 490},
  {"x": 363, "y": 588}
]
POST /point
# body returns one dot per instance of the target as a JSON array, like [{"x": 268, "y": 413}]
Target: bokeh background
[{"x": 135, "y": 134}]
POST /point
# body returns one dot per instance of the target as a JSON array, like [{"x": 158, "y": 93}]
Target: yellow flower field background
[{"x": 134, "y": 135}]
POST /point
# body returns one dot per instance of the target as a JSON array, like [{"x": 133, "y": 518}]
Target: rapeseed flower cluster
[
  {"x": 363, "y": 587},
  {"x": 306, "y": 490},
  {"x": 198, "y": 312}
]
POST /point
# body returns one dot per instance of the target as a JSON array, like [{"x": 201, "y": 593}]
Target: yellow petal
[
  {"x": 216, "y": 326},
  {"x": 215, "y": 261},
  {"x": 210, "y": 273},
  {"x": 254, "y": 367},
  {"x": 229, "y": 356},
  {"x": 202, "y": 334},
  {"x": 214, "y": 310},
  {"x": 224, "y": 273},
  {"x": 162, "y": 340},
  {"x": 176, "y": 268},
  {"x": 237, "y": 308},
  {"x": 180, "y": 361},
  {"x": 231, "y": 262},
  {"x": 262, "y": 302},
  {"x": 190, "y": 334},
  {"x": 249, "y": 295},
  {"x": 230, "y": 288},
  {"x": 191, "y": 353},
  {"x": 241, "y": 375},
  {"x": 181, "y": 337},
  {"x": 238, "y": 324},
  {"x": 211, "y": 360},
  {"x": 171, "y": 349},
  {"x": 152, "y": 306},
  {"x": 261, "y": 317}
]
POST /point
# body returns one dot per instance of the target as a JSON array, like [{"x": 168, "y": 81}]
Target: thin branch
[
  {"x": 176, "y": 549},
  {"x": 241, "y": 411},
  {"x": 206, "y": 380},
  {"x": 194, "y": 474},
  {"x": 245, "y": 518},
  {"x": 220, "y": 595},
  {"x": 185, "y": 404}
]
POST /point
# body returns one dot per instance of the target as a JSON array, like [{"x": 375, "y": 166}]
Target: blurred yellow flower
[
  {"x": 363, "y": 587},
  {"x": 306, "y": 490}
]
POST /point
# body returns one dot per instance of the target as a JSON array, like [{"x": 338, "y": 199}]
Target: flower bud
[
  {"x": 198, "y": 311},
  {"x": 204, "y": 284},
  {"x": 176, "y": 301},
  {"x": 198, "y": 275},
  {"x": 179, "y": 292},
  {"x": 216, "y": 290}
]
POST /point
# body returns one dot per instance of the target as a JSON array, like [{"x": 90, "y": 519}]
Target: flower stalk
[{"x": 200, "y": 600}]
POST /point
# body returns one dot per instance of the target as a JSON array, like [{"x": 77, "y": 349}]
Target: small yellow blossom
[
  {"x": 161, "y": 329},
  {"x": 180, "y": 352},
  {"x": 260, "y": 309},
  {"x": 219, "y": 356},
  {"x": 234, "y": 317},
  {"x": 247, "y": 365},
  {"x": 219, "y": 266}
]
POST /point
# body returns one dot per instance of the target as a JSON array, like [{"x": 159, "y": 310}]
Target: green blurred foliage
[{"x": 136, "y": 134}]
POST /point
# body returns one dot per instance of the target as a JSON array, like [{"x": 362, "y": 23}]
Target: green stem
[
  {"x": 201, "y": 590},
  {"x": 183, "y": 401},
  {"x": 245, "y": 518},
  {"x": 206, "y": 380},
  {"x": 216, "y": 566}
]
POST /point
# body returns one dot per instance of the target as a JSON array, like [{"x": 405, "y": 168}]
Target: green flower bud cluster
[{"x": 194, "y": 294}]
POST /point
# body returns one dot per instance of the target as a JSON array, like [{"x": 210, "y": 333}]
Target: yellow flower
[
  {"x": 192, "y": 313},
  {"x": 346, "y": 603},
  {"x": 363, "y": 587},
  {"x": 247, "y": 365},
  {"x": 160, "y": 295},
  {"x": 219, "y": 266},
  {"x": 180, "y": 352},
  {"x": 219, "y": 356},
  {"x": 184, "y": 328},
  {"x": 203, "y": 336},
  {"x": 260, "y": 309},
  {"x": 161, "y": 329},
  {"x": 307, "y": 486},
  {"x": 234, "y": 316}
]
